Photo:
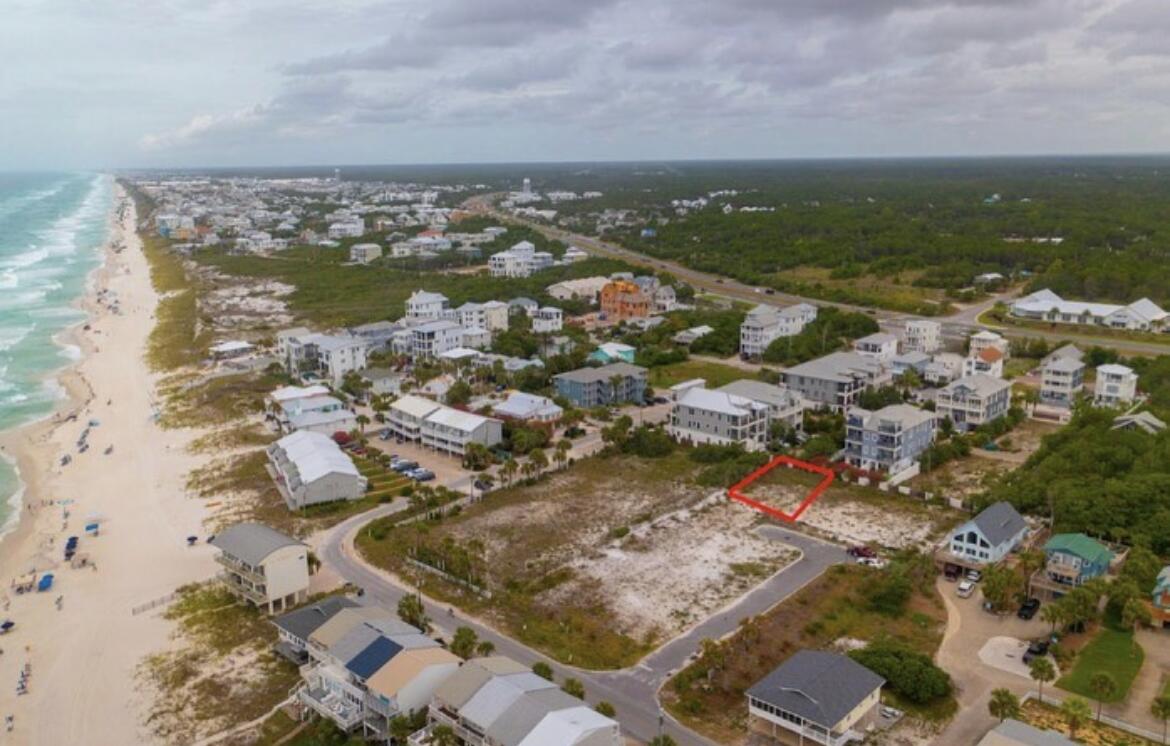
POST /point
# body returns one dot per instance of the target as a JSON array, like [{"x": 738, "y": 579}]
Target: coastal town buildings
[
  {"x": 764, "y": 324},
  {"x": 889, "y": 439},
  {"x": 835, "y": 381},
  {"x": 1045, "y": 305},
  {"x": 262, "y": 566},
  {"x": 922, "y": 335},
  {"x": 310, "y": 468},
  {"x": 703, "y": 416},
  {"x": 973, "y": 401}
]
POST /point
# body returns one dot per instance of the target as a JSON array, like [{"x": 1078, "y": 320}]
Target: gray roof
[
  {"x": 1015, "y": 733},
  {"x": 1067, "y": 364},
  {"x": 252, "y": 542},
  {"x": 302, "y": 622},
  {"x": 999, "y": 522},
  {"x": 818, "y": 686},
  {"x": 604, "y": 373},
  {"x": 981, "y": 383},
  {"x": 836, "y": 366},
  {"x": 516, "y": 722},
  {"x": 760, "y": 391}
]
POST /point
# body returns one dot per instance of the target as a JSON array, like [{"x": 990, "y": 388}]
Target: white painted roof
[
  {"x": 718, "y": 401},
  {"x": 315, "y": 455},
  {"x": 566, "y": 727},
  {"x": 457, "y": 419},
  {"x": 415, "y": 406},
  {"x": 291, "y": 393}
]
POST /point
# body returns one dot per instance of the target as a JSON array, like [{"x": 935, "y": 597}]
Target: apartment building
[
  {"x": 836, "y": 380},
  {"x": 783, "y": 405},
  {"x": 923, "y": 335},
  {"x": 310, "y": 468},
  {"x": 433, "y": 338},
  {"x": 973, "y": 401},
  {"x": 889, "y": 439},
  {"x": 452, "y": 430},
  {"x": 262, "y": 566},
  {"x": 700, "y": 415}
]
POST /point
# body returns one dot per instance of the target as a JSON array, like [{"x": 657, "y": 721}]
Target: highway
[
  {"x": 633, "y": 691},
  {"x": 957, "y": 326}
]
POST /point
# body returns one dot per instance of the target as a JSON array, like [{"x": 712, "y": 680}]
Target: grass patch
[
  {"x": 716, "y": 374},
  {"x": 1111, "y": 651},
  {"x": 710, "y": 698},
  {"x": 216, "y": 400},
  {"x": 1091, "y": 733},
  {"x": 223, "y": 674}
]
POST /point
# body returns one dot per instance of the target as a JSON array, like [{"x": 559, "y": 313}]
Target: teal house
[{"x": 1073, "y": 559}]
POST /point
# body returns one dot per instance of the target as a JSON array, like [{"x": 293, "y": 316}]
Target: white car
[
  {"x": 871, "y": 562},
  {"x": 966, "y": 588}
]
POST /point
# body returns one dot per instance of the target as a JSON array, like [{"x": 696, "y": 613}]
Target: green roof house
[{"x": 1075, "y": 558}]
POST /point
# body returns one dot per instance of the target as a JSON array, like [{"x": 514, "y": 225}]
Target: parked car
[
  {"x": 974, "y": 576},
  {"x": 385, "y": 434},
  {"x": 1029, "y": 608},
  {"x": 871, "y": 562},
  {"x": 952, "y": 573},
  {"x": 421, "y": 475},
  {"x": 403, "y": 466},
  {"x": 966, "y": 588},
  {"x": 860, "y": 550},
  {"x": 1036, "y": 649}
]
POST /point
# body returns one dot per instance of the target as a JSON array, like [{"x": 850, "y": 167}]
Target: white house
[
  {"x": 573, "y": 255},
  {"x": 353, "y": 228},
  {"x": 547, "y": 320},
  {"x": 585, "y": 288},
  {"x": 435, "y": 337},
  {"x": 1061, "y": 380},
  {"x": 783, "y": 405},
  {"x": 422, "y": 305},
  {"x": 879, "y": 346},
  {"x": 982, "y": 340},
  {"x": 988, "y": 537},
  {"x": 519, "y": 261},
  {"x": 475, "y": 338},
  {"x": 923, "y": 335},
  {"x": 262, "y": 566},
  {"x": 364, "y": 253},
  {"x": 405, "y": 415},
  {"x": 765, "y": 324},
  {"x": 700, "y": 415},
  {"x": 974, "y": 401},
  {"x": 943, "y": 368},
  {"x": 1116, "y": 385},
  {"x": 528, "y": 407},
  {"x": 311, "y": 468},
  {"x": 986, "y": 362},
  {"x": 1045, "y": 305},
  {"x": 330, "y": 356},
  {"x": 452, "y": 430}
]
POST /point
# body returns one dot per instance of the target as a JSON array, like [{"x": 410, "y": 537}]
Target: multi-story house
[
  {"x": 1073, "y": 559},
  {"x": 522, "y": 260},
  {"x": 330, "y": 356},
  {"x": 974, "y": 401},
  {"x": 879, "y": 346},
  {"x": 451, "y": 430},
  {"x": 981, "y": 340},
  {"x": 610, "y": 384},
  {"x": 310, "y": 468},
  {"x": 585, "y": 288},
  {"x": 433, "y": 338},
  {"x": 889, "y": 439},
  {"x": 1061, "y": 381},
  {"x": 421, "y": 305},
  {"x": 622, "y": 299},
  {"x": 703, "y": 416},
  {"x": 986, "y": 362},
  {"x": 923, "y": 335},
  {"x": 988, "y": 537},
  {"x": 1116, "y": 385},
  {"x": 405, "y": 416},
  {"x": 665, "y": 299},
  {"x": 764, "y": 324},
  {"x": 836, "y": 380},
  {"x": 262, "y": 566},
  {"x": 815, "y": 697},
  {"x": 364, "y": 253},
  {"x": 547, "y": 320},
  {"x": 783, "y": 405},
  {"x": 944, "y": 367}
]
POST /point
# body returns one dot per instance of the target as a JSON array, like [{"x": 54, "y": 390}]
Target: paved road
[
  {"x": 633, "y": 691},
  {"x": 956, "y": 326}
]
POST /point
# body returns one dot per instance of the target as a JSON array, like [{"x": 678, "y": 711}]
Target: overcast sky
[{"x": 122, "y": 83}]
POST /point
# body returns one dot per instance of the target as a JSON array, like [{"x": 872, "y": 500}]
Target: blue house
[
  {"x": 1076, "y": 558},
  {"x": 990, "y": 536},
  {"x": 609, "y": 384}
]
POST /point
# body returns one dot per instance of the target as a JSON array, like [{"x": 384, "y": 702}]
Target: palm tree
[
  {"x": 508, "y": 470},
  {"x": 1076, "y": 713},
  {"x": 1042, "y": 671},
  {"x": 1160, "y": 708},
  {"x": 561, "y": 454},
  {"x": 443, "y": 735},
  {"x": 362, "y": 421},
  {"x": 1003, "y": 704},
  {"x": 1030, "y": 562},
  {"x": 1103, "y": 686},
  {"x": 539, "y": 459},
  {"x": 1053, "y": 614}
]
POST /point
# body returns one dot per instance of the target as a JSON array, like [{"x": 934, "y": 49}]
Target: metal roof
[
  {"x": 252, "y": 542},
  {"x": 304, "y": 621},
  {"x": 818, "y": 686},
  {"x": 604, "y": 373},
  {"x": 999, "y": 522}
]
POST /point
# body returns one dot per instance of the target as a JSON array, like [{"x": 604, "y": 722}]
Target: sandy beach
[{"x": 83, "y": 655}]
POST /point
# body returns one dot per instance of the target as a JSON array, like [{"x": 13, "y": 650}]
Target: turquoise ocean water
[{"x": 52, "y": 227}]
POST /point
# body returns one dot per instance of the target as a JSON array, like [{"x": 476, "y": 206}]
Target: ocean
[{"x": 52, "y": 227}]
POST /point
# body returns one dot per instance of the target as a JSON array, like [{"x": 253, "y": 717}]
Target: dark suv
[{"x": 1029, "y": 608}]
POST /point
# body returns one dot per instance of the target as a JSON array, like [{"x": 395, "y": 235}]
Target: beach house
[
  {"x": 922, "y": 335},
  {"x": 974, "y": 401},
  {"x": 432, "y": 338},
  {"x": 405, "y": 416},
  {"x": 889, "y": 439},
  {"x": 815, "y": 697},
  {"x": 525, "y": 407},
  {"x": 310, "y": 468},
  {"x": 364, "y": 253},
  {"x": 293, "y": 628},
  {"x": 988, "y": 537},
  {"x": 452, "y": 430},
  {"x": 547, "y": 320},
  {"x": 764, "y": 324},
  {"x": 612, "y": 352},
  {"x": 422, "y": 305},
  {"x": 1061, "y": 381},
  {"x": 836, "y": 380},
  {"x": 783, "y": 405},
  {"x": 700, "y": 415},
  {"x": 495, "y": 701},
  {"x": 1073, "y": 559},
  {"x": 262, "y": 566},
  {"x": 878, "y": 346},
  {"x": 610, "y": 384},
  {"x": 522, "y": 260},
  {"x": 1116, "y": 385},
  {"x": 584, "y": 288},
  {"x": 987, "y": 362}
]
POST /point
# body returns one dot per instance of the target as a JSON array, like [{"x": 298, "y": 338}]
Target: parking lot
[{"x": 448, "y": 470}]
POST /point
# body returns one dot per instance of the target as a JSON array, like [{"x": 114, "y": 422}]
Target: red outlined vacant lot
[{"x": 736, "y": 492}]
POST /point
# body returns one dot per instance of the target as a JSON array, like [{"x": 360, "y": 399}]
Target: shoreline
[{"x": 82, "y": 641}]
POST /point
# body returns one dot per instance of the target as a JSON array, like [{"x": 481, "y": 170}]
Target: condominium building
[
  {"x": 310, "y": 468},
  {"x": 703, "y": 416},
  {"x": 433, "y": 338},
  {"x": 889, "y": 439},
  {"x": 923, "y": 335},
  {"x": 262, "y": 566},
  {"x": 783, "y": 405},
  {"x": 973, "y": 401},
  {"x": 440, "y": 427},
  {"x": 1116, "y": 385}
]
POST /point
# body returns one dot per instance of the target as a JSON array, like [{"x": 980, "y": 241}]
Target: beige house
[{"x": 262, "y": 566}]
